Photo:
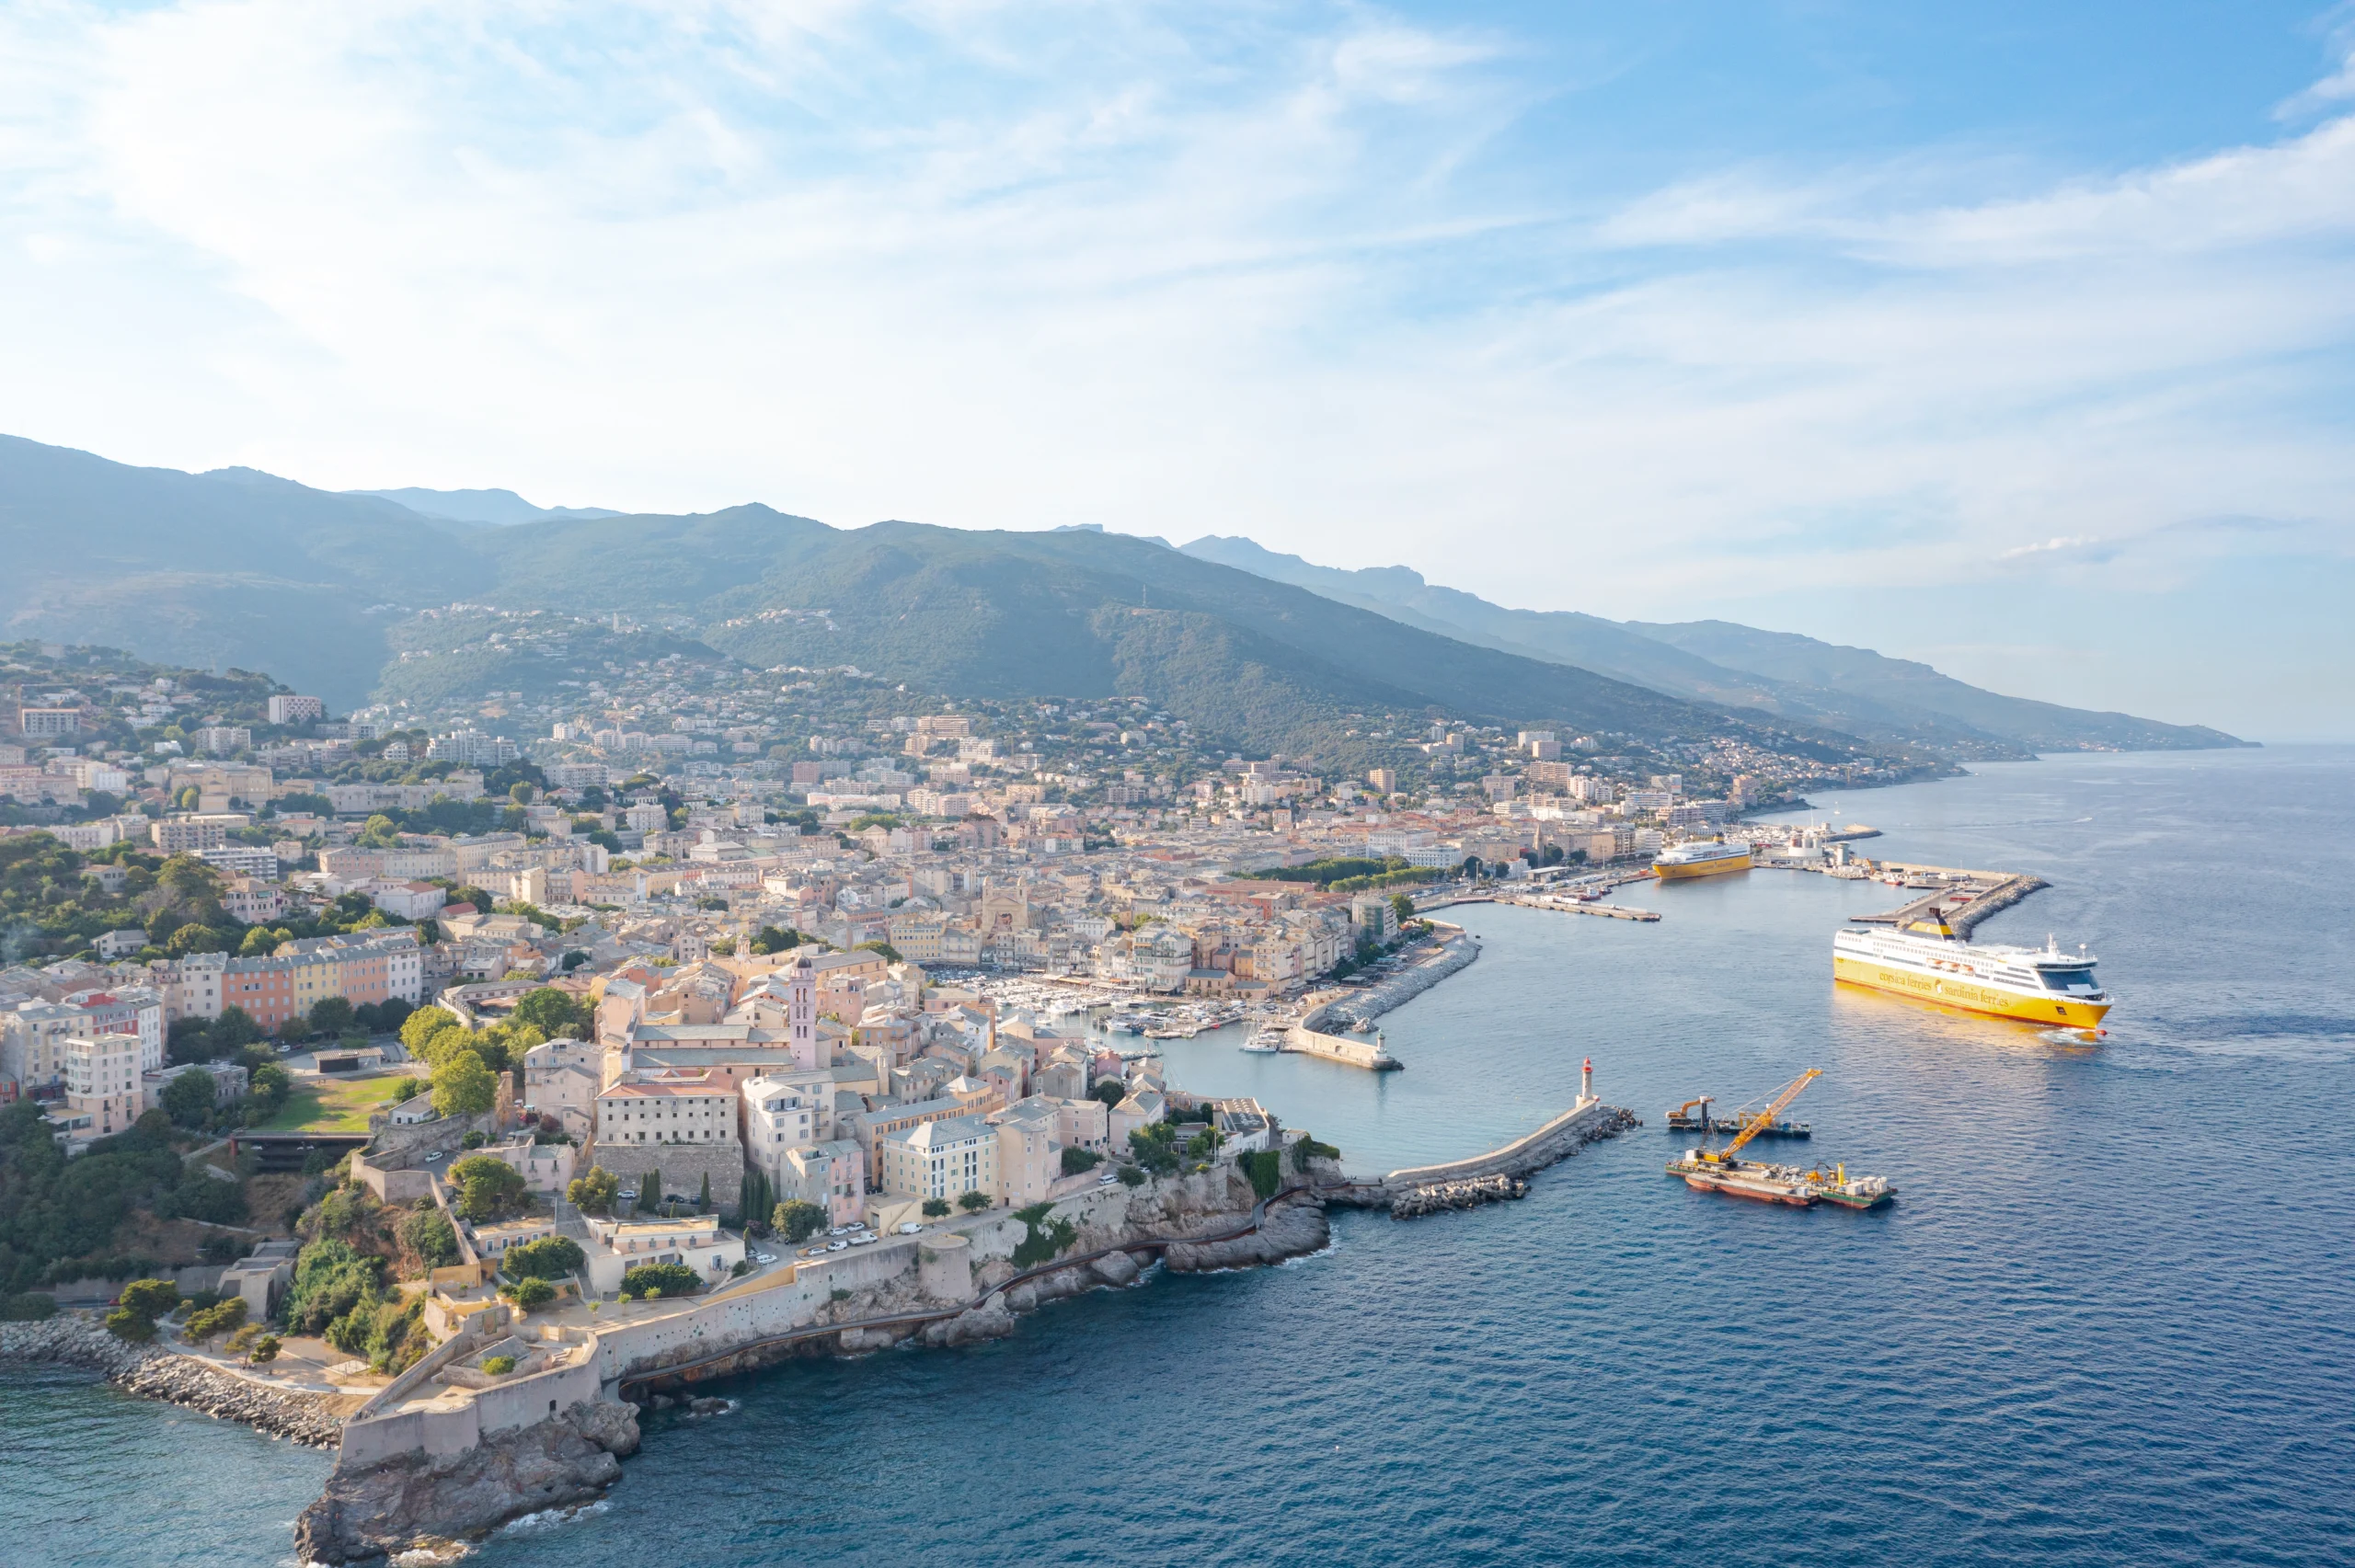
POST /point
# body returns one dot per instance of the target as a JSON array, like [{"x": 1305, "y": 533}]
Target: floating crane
[{"x": 1725, "y": 1157}]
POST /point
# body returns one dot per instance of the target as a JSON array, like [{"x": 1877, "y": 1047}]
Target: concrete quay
[{"x": 1312, "y": 1034}]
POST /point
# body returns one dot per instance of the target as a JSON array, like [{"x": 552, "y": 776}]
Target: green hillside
[
  {"x": 350, "y": 596},
  {"x": 1888, "y": 702}
]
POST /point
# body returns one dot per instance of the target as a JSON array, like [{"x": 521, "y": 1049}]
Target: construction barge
[
  {"x": 1722, "y": 1170},
  {"x": 1693, "y": 1116}
]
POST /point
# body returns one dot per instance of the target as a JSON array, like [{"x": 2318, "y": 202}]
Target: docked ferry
[
  {"x": 1926, "y": 960},
  {"x": 1706, "y": 859}
]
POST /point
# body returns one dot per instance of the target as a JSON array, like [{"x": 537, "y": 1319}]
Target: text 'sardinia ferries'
[{"x": 1927, "y": 960}]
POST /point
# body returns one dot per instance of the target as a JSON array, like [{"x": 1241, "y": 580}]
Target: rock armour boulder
[{"x": 153, "y": 1372}]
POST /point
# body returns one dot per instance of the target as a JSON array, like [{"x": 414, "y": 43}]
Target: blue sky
[{"x": 2016, "y": 337}]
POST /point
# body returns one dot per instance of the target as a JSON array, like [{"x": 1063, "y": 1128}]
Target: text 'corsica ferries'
[
  {"x": 1706, "y": 859},
  {"x": 1927, "y": 960}
]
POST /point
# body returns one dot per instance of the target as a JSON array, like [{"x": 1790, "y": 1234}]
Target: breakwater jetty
[
  {"x": 1965, "y": 898},
  {"x": 1486, "y": 1178}
]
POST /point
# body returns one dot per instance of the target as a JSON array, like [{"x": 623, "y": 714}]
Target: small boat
[{"x": 1267, "y": 1042}]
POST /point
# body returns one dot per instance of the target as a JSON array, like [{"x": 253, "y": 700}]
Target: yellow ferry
[
  {"x": 1708, "y": 858},
  {"x": 1927, "y": 961}
]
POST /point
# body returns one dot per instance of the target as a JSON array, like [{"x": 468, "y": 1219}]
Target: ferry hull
[
  {"x": 1969, "y": 995},
  {"x": 1731, "y": 863}
]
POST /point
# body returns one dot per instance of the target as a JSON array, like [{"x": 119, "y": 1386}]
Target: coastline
[{"x": 153, "y": 1372}]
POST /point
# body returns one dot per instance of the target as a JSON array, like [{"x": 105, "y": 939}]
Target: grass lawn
[{"x": 339, "y": 1105}]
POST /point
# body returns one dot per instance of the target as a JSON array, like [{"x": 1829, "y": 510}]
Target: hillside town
[{"x": 677, "y": 993}]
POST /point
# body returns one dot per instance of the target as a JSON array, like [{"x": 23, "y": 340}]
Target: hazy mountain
[
  {"x": 211, "y": 570},
  {"x": 500, "y": 509},
  {"x": 239, "y": 567},
  {"x": 1858, "y": 692}
]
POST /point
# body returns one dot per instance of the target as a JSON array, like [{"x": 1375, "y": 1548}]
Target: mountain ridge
[{"x": 1785, "y": 675}]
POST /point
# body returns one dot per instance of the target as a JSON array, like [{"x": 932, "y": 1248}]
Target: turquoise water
[{"x": 2110, "y": 1321}]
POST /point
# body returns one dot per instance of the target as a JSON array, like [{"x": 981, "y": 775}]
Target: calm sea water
[{"x": 2110, "y": 1321}]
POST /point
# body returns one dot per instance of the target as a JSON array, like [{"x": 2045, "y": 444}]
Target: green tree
[
  {"x": 1078, "y": 1161},
  {"x": 557, "y": 1015},
  {"x": 259, "y": 943},
  {"x": 521, "y": 793},
  {"x": 221, "y": 1317},
  {"x": 233, "y": 1030},
  {"x": 1154, "y": 1147},
  {"x": 529, "y": 1292},
  {"x": 652, "y": 1279},
  {"x": 151, "y": 1298},
  {"x": 551, "y": 1257},
  {"x": 488, "y": 1188},
  {"x": 268, "y": 1085},
  {"x": 378, "y": 833},
  {"x": 130, "y": 1327},
  {"x": 595, "y": 1191},
  {"x": 1110, "y": 1091},
  {"x": 427, "y": 1233},
  {"x": 1403, "y": 905},
  {"x": 797, "y": 1220},
  {"x": 422, "y": 1025},
  {"x": 934, "y": 1207},
  {"x": 972, "y": 1202},
  {"x": 1130, "y": 1176},
  {"x": 462, "y": 1086},
  {"x": 330, "y": 1015},
  {"x": 265, "y": 1350},
  {"x": 446, "y": 1042},
  {"x": 188, "y": 1099}
]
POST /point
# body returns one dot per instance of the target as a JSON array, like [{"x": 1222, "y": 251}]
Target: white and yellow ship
[
  {"x": 1707, "y": 858},
  {"x": 1927, "y": 961}
]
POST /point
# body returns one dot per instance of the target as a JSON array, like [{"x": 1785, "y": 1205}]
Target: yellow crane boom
[{"x": 1765, "y": 1118}]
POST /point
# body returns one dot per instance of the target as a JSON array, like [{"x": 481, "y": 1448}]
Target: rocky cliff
[{"x": 416, "y": 1503}]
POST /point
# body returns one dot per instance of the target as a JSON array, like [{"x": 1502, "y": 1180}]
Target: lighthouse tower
[{"x": 1586, "y": 1080}]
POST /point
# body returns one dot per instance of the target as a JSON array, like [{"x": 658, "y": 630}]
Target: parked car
[
  {"x": 910, "y": 1228},
  {"x": 836, "y": 1246},
  {"x": 865, "y": 1241},
  {"x": 1107, "y": 1179},
  {"x": 765, "y": 1257},
  {"x": 437, "y": 1156}
]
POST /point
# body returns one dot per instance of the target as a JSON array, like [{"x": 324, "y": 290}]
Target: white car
[
  {"x": 866, "y": 1241},
  {"x": 836, "y": 1246},
  {"x": 765, "y": 1257},
  {"x": 437, "y": 1157},
  {"x": 839, "y": 1231},
  {"x": 1107, "y": 1179}
]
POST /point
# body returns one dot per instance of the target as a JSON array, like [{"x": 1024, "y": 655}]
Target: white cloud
[{"x": 1172, "y": 269}]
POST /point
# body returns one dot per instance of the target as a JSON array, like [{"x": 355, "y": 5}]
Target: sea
[{"x": 2110, "y": 1320}]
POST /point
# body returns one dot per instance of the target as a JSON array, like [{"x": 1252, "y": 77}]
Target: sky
[{"x": 2018, "y": 337}]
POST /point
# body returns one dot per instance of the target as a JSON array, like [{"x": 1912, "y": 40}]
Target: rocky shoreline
[
  {"x": 436, "y": 1504},
  {"x": 153, "y": 1372}
]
